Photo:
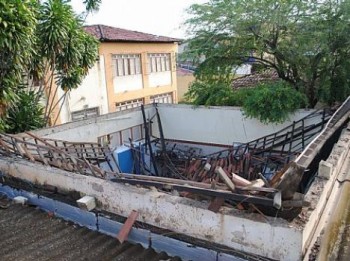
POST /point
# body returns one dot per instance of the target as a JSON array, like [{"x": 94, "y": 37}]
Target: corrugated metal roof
[
  {"x": 28, "y": 233},
  {"x": 113, "y": 34}
]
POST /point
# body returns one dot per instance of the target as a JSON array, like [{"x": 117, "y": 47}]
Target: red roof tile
[
  {"x": 252, "y": 80},
  {"x": 106, "y": 33}
]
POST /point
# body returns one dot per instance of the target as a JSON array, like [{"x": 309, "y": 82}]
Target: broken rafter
[
  {"x": 47, "y": 154},
  {"x": 241, "y": 198}
]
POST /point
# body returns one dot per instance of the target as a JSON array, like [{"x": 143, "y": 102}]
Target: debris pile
[{"x": 258, "y": 175}]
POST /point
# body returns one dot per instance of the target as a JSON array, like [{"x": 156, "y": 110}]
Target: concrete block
[
  {"x": 325, "y": 169},
  {"x": 207, "y": 166},
  {"x": 87, "y": 203},
  {"x": 20, "y": 200}
]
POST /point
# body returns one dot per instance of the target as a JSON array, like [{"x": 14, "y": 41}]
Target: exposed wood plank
[
  {"x": 201, "y": 191},
  {"x": 225, "y": 178},
  {"x": 239, "y": 181},
  {"x": 126, "y": 228},
  {"x": 28, "y": 154}
]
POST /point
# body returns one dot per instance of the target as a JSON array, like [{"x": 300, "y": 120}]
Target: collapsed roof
[{"x": 208, "y": 173}]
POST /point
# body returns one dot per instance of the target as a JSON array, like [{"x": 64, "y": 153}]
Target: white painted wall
[
  {"x": 91, "y": 93},
  {"x": 90, "y": 129},
  {"x": 127, "y": 83},
  {"x": 218, "y": 125},
  {"x": 159, "y": 79},
  {"x": 244, "y": 69}
]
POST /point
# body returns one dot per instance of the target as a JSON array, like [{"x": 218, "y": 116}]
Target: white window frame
[
  {"x": 127, "y": 64},
  {"x": 125, "y": 105},
  {"x": 159, "y": 62},
  {"x": 162, "y": 98}
]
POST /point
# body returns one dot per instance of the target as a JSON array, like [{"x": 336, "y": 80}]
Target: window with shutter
[{"x": 127, "y": 64}]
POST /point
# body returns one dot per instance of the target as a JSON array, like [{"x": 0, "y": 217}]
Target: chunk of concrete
[
  {"x": 20, "y": 200},
  {"x": 325, "y": 169},
  {"x": 87, "y": 203},
  {"x": 207, "y": 166}
]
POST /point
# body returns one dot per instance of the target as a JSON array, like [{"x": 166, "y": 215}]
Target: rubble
[{"x": 245, "y": 174}]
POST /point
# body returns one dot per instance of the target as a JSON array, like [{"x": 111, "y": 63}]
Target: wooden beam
[
  {"x": 225, "y": 178},
  {"x": 126, "y": 228}
]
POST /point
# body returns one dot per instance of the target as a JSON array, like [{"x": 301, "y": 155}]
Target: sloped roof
[
  {"x": 253, "y": 79},
  {"x": 106, "y": 33},
  {"x": 31, "y": 234},
  {"x": 183, "y": 72}
]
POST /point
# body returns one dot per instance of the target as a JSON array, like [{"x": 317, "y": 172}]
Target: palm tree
[{"x": 42, "y": 43}]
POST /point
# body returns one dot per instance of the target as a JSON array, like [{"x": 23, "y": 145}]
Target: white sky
[{"x": 160, "y": 17}]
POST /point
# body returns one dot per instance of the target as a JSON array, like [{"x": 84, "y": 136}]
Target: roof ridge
[{"x": 111, "y": 33}]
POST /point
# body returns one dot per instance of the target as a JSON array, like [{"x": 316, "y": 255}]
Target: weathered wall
[
  {"x": 329, "y": 197},
  {"x": 250, "y": 233},
  {"x": 89, "y": 130},
  {"x": 218, "y": 125},
  {"x": 91, "y": 93},
  {"x": 215, "y": 125}
]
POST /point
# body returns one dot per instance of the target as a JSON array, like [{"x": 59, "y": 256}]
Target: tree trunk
[{"x": 311, "y": 96}]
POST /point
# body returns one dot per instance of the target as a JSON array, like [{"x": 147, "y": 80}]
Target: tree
[
  {"x": 17, "y": 32},
  {"x": 40, "y": 42},
  {"x": 305, "y": 42},
  {"x": 269, "y": 102},
  {"x": 66, "y": 54}
]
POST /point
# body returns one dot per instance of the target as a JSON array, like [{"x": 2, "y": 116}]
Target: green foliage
[
  {"x": 216, "y": 94},
  {"x": 92, "y": 5},
  {"x": 43, "y": 41},
  {"x": 64, "y": 44},
  {"x": 17, "y": 24},
  {"x": 26, "y": 114},
  {"x": 305, "y": 42},
  {"x": 272, "y": 103}
]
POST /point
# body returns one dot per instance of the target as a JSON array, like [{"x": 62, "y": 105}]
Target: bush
[{"x": 26, "y": 114}]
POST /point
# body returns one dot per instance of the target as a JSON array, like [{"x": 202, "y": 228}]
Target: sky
[{"x": 159, "y": 17}]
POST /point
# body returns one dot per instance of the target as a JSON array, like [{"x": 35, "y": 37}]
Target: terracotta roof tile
[
  {"x": 253, "y": 79},
  {"x": 106, "y": 33}
]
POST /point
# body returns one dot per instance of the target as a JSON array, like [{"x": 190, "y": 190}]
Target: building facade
[{"x": 133, "y": 68}]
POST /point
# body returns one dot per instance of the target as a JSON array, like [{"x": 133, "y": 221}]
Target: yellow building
[{"x": 133, "y": 68}]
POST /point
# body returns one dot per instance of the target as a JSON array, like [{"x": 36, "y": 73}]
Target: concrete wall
[
  {"x": 158, "y": 79},
  {"x": 217, "y": 125},
  {"x": 213, "y": 125},
  {"x": 329, "y": 198},
  {"x": 183, "y": 83},
  {"x": 250, "y": 233},
  {"x": 127, "y": 83},
  {"x": 89, "y": 130}
]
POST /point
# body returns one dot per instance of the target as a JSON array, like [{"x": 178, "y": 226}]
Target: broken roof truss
[{"x": 237, "y": 175}]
